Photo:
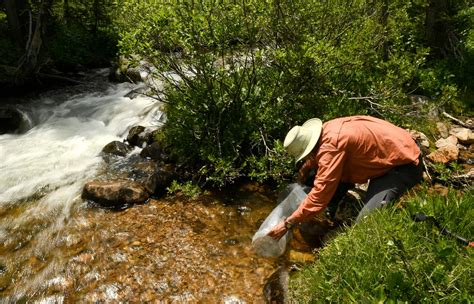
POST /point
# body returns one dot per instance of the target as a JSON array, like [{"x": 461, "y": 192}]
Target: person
[{"x": 350, "y": 150}]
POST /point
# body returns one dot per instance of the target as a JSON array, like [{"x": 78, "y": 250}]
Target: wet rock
[
  {"x": 141, "y": 171},
  {"x": 154, "y": 151},
  {"x": 420, "y": 138},
  {"x": 12, "y": 120},
  {"x": 134, "y": 75},
  {"x": 137, "y": 92},
  {"x": 161, "y": 180},
  {"x": 275, "y": 289},
  {"x": 465, "y": 135},
  {"x": 446, "y": 142},
  {"x": 137, "y": 136},
  {"x": 115, "y": 194},
  {"x": 444, "y": 154},
  {"x": 117, "y": 148}
]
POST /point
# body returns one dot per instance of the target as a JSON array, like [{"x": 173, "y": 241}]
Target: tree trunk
[
  {"x": 96, "y": 9},
  {"x": 16, "y": 13},
  {"x": 30, "y": 64},
  {"x": 66, "y": 12},
  {"x": 436, "y": 28}
]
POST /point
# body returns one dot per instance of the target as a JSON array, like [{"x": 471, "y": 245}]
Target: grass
[{"x": 389, "y": 258}]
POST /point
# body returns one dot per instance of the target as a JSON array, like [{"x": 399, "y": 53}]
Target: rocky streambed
[{"x": 174, "y": 249}]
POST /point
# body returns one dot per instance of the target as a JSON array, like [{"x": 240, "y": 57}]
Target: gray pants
[{"x": 386, "y": 188}]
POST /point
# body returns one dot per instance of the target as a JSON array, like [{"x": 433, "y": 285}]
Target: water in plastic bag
[{"x": 289, "y": 199}]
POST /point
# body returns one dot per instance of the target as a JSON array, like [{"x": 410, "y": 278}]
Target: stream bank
[{"x": 56, "y": 247}]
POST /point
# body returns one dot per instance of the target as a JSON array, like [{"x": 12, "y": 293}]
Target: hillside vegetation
[{"x": 390, "y": 258}]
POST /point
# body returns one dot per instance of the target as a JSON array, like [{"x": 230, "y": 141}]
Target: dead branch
[{"x": 459, "y": 122}]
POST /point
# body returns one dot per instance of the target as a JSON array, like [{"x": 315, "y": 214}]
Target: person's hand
[{"x": 278, "y": 231}]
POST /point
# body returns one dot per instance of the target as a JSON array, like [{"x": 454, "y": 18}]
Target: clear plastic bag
[{"x": 289, "y": 200}]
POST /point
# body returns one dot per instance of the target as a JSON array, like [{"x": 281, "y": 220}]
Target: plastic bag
[{"x": 266, "y": 246}]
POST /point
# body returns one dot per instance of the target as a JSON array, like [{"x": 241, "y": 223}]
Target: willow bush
[{"x": 239, "y": 74}]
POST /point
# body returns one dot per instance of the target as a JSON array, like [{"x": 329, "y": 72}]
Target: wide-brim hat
[{"x": 300, "y": 140}]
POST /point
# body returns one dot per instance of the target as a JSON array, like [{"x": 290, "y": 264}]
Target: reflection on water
[{"x": 175, "y": 250}]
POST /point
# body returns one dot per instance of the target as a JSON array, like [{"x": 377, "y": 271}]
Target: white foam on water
[{"x": 62, "y": 151}]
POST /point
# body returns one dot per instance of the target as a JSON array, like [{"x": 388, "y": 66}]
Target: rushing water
[{"x": 54, "y": 248}]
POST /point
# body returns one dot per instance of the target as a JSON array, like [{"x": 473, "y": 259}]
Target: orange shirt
[{"x": 353, "y": 149}]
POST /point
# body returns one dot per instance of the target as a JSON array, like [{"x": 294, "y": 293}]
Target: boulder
[
  {"x": 12, "y": 120},
  {"x": 161, "y": 180},
  {"x": 449, "y": 141},
  {"x": 444, "y": 154},
  {"x": 442, "y": 129},
  {"x": 134, "y": 74},
  {"x": 465, "y": 135},
  {"x": 117, "y": 148},
  {"x": 137, "y": 136},
  {"x": 115, "y": 193}
]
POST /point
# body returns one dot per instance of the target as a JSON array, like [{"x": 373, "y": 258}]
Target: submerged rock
[
  {"x": 117, "y": 148},
  {"x": 115, "y": 194}
]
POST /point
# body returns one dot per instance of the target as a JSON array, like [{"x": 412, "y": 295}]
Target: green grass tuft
[{"x": 389, "y": 258}]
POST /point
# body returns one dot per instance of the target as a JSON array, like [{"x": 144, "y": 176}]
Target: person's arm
[{"x": 331, "y": 165}]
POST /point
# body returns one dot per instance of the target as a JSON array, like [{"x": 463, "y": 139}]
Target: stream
[{"x": 56, "y": 248}]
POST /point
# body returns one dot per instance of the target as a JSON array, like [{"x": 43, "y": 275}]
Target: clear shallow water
[{"x": 54, "y": 248}]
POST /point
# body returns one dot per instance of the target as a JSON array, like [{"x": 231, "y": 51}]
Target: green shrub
[
  {"x": 389, "y": 258},
  {"x": 238, "y": 76},
  {"x": 187, "y": 189},
  {"x": 74, "y": 45}
]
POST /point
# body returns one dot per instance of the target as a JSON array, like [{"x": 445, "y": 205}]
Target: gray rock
[
  {"x": 465, "y": 135},
  {"x": 443, "y": 142},
  {"x": 117, "y": 148},
  {"x": 115, "y": 193},
  {"x": 442, "y": 129}
]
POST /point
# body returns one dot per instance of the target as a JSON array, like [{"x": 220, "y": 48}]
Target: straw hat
[{"x": 300, "y": 140}]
